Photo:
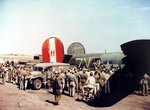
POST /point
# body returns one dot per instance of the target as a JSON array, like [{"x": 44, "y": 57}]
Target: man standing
[
  {"x": 62, "y": 76},
  {"x": 145, "y": 84},
  {"x": 72, "y": 83},
  {"x": 22, "y": 80},
  {"x": 57, "y": 89},
  {"x": 9, "y": 75},
  {"x": 3, "y": 75}
]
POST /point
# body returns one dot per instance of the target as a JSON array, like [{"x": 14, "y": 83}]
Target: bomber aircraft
[{"x": 53, "y": 51}]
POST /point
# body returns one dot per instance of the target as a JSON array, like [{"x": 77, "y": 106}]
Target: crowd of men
[
  {"x": 14, "y": 74},
  {"x": 81, "y": 82}
]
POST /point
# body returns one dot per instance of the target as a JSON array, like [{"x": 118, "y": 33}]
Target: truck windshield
[{"x": 37, "y": 68}]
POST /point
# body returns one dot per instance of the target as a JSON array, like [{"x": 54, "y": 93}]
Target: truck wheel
[{"x": 37, "y": 84}]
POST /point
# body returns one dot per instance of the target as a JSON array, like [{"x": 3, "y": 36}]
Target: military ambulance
[{"x": 42, "y": 72}]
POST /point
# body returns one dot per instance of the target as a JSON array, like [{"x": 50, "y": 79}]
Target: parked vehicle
[{"x": 42, "y": 72}]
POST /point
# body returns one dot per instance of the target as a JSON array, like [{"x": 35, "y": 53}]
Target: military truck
[{"x": 39, "y": 75}]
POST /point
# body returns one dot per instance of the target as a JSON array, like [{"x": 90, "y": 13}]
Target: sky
[{"x": 98, "y": 25}]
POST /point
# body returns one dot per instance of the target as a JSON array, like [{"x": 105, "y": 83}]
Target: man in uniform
[
  {"x": 9, "y": 75},
  {"x": 90, "y": 85},
  {"x": 63, "y": 76},
  {"x": 72, "y": 83},
  {"x": 3, "y": 75},
  {"x": 145, "y": 83},
  {"x": 57, "y": 89}
]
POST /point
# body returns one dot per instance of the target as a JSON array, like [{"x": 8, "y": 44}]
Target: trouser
[
  {"x": 16, "y": 80},
  {"x": 145, "y": 89},
  {"x": 57, "y": 98},
  {"x": 63, "y": 85},
  {"x": 21, "y": 85},
  {"x": 107, "y": 87},
  {"x": 3, "y": 80},
  {"x": 9, "y": 79},
  {"x": 97, "y": 87},
  {"x": 45, "y": 84},
  {"x": 72, "y": 89},
  {"x": 26, "y": 84}
]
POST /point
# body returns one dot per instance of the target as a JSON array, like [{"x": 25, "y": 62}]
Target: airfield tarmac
[{"x": 12, "y": 98}]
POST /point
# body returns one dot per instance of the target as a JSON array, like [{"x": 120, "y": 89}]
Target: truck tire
[{"x": 37, "y": 84}]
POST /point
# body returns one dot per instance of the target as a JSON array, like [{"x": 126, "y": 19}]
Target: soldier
[
  {"x": 78, "y": 83},
  {"x": 45, "y": 78},
  {"x": 72, "y": 83},
  {"x": 9, "y": 75},
  {"x": 97, "y": 79},
  {"x": 3, "y": 76},
  {"x": 145, "y": 84},
  {"x": 68, "y": 73},
  {"x": 57, "y": 89},
  {"x": 90, "y": 85},
  {"x": 21, "y": 85},
  {"x": 63, "y": 76},
  {"x": 83, "y": 81},
  {"x": 83, "y": 78},
  {"x": 19, "y": 75},
  {"x": 22, "y": 80}
]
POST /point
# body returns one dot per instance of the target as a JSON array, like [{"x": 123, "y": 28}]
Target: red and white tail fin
[{"x": 52, "y": 50}]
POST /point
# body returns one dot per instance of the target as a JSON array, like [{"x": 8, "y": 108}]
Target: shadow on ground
[{"x": 49, "y": 101}]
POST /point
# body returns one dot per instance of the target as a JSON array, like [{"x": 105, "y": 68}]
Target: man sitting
[{"x": 90, "y": 85}]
